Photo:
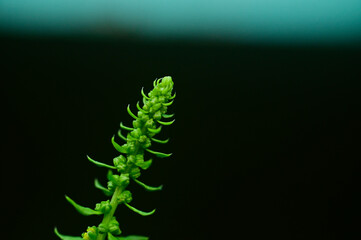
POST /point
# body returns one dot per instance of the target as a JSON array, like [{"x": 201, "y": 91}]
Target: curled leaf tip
[
  {"x": 156, "y": 131},
  {"x": 100, "y": 164},
  {"x": 167, "y": 115},
  {"x": 148, "y": 188},
  {"x": 98, "y": 185},
  {"x": 168, "y": 104},
  {"x": 172, "y": 97},
  {"x": 160, "y": 154},
  {"x": 140, "y": 212},
  {"x": 121, "y": 136},
  {"x": 141, "y": 109},
  {"x": 130, "y": 113},
  {"x": 166, "y": 123},
  {"x": 117, "y": 147},
  {"x": 160, "y": 141},
  {"x": 82, "y": 210},
  {"x": 143, "y": 94},
  {"x": 125, "y": 127},
  {"x": 65, "y": 237}
]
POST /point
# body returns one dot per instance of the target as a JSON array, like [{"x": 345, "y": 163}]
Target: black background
[{"x": 265, "y": 138}]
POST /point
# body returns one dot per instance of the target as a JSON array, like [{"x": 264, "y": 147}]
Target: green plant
[{"x": 147, "y": 123}]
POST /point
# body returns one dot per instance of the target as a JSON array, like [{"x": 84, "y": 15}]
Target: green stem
[{"x": 108, "y": 216}]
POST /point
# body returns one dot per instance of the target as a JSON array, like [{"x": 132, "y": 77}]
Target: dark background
[{"x": 265, "y": 138}]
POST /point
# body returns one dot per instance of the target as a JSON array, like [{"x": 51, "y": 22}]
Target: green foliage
[{"x": 128, "y": 165}]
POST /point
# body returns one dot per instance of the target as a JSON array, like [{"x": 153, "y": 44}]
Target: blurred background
[{"x": 267, "y": 115}]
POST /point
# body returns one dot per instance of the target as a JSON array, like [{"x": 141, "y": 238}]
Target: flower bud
[
  {"x": 162, "y": 99},
  {"x": 103, "y": 228},
  {"x": 157, "y": 106},
  {"x": 131, "y": 159},
  {"x": 136, "y": 133},
  {"x": 137, "y": 123},
  {"x": 125, "y": 196},
  {"x": 111, "y": 186},
  {"x": 131, "y": 147},
  {"x": 139, "y": 158},
  {"x": 114, "y": 227},
  {"x": 103, "y": 207},
  {"x": 134, "y": 172},
  {"x": 142, "y": 139},
  {"x": 149, "y": 123},
  {"x": 124, "y": 180},
  {"x": 157, "y": 115},
  {"x": 119, "y": 160},
  {"x": 90, "y": 234}
]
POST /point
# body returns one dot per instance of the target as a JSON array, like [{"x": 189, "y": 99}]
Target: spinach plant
[{"x": 147, "y": 123}]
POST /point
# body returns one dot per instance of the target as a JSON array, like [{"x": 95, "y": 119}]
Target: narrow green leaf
[
  {"x": 155, "y": 82},
  {"x": 110, "y": 176},
  {"x": 99, "y": 164},
  {"x": 65, "y": 237},
  {"x": 145, "y": 165},
  {"x": 166, "y": 123},
  {"x": 117, "y": 146},
  {"x": 172, "y": 97},
  {"x": 83, "y": 210},
  {"x": 111, "y": 237},
  {"x": 133, "y": 237},
  {"x": 98, "y": 185},
  {"x": 167, "y": 115},
  {"x": 130, "y": 237},
  {"x": 160, "y": 141},
  {"x": 130, "y": 113},
  {"x": 121, "y": 136},
  {"x": 159, "y": 154},
  {"x": 125, "y": 127},
  {"x": 156, "y": 131},
  {"x": 168, "y": 104},
  {"x": 138, "y": 211},
  {"x": 143, "y": 94},
  {"x": 148, "y": 188},
  {"x": 141, "y": 109}
]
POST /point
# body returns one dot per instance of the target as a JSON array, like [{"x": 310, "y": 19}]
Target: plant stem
[{"x": 108, "y": 216}]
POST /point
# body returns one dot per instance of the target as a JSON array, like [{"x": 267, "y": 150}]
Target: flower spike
[{"x": 128, "y": 166}]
